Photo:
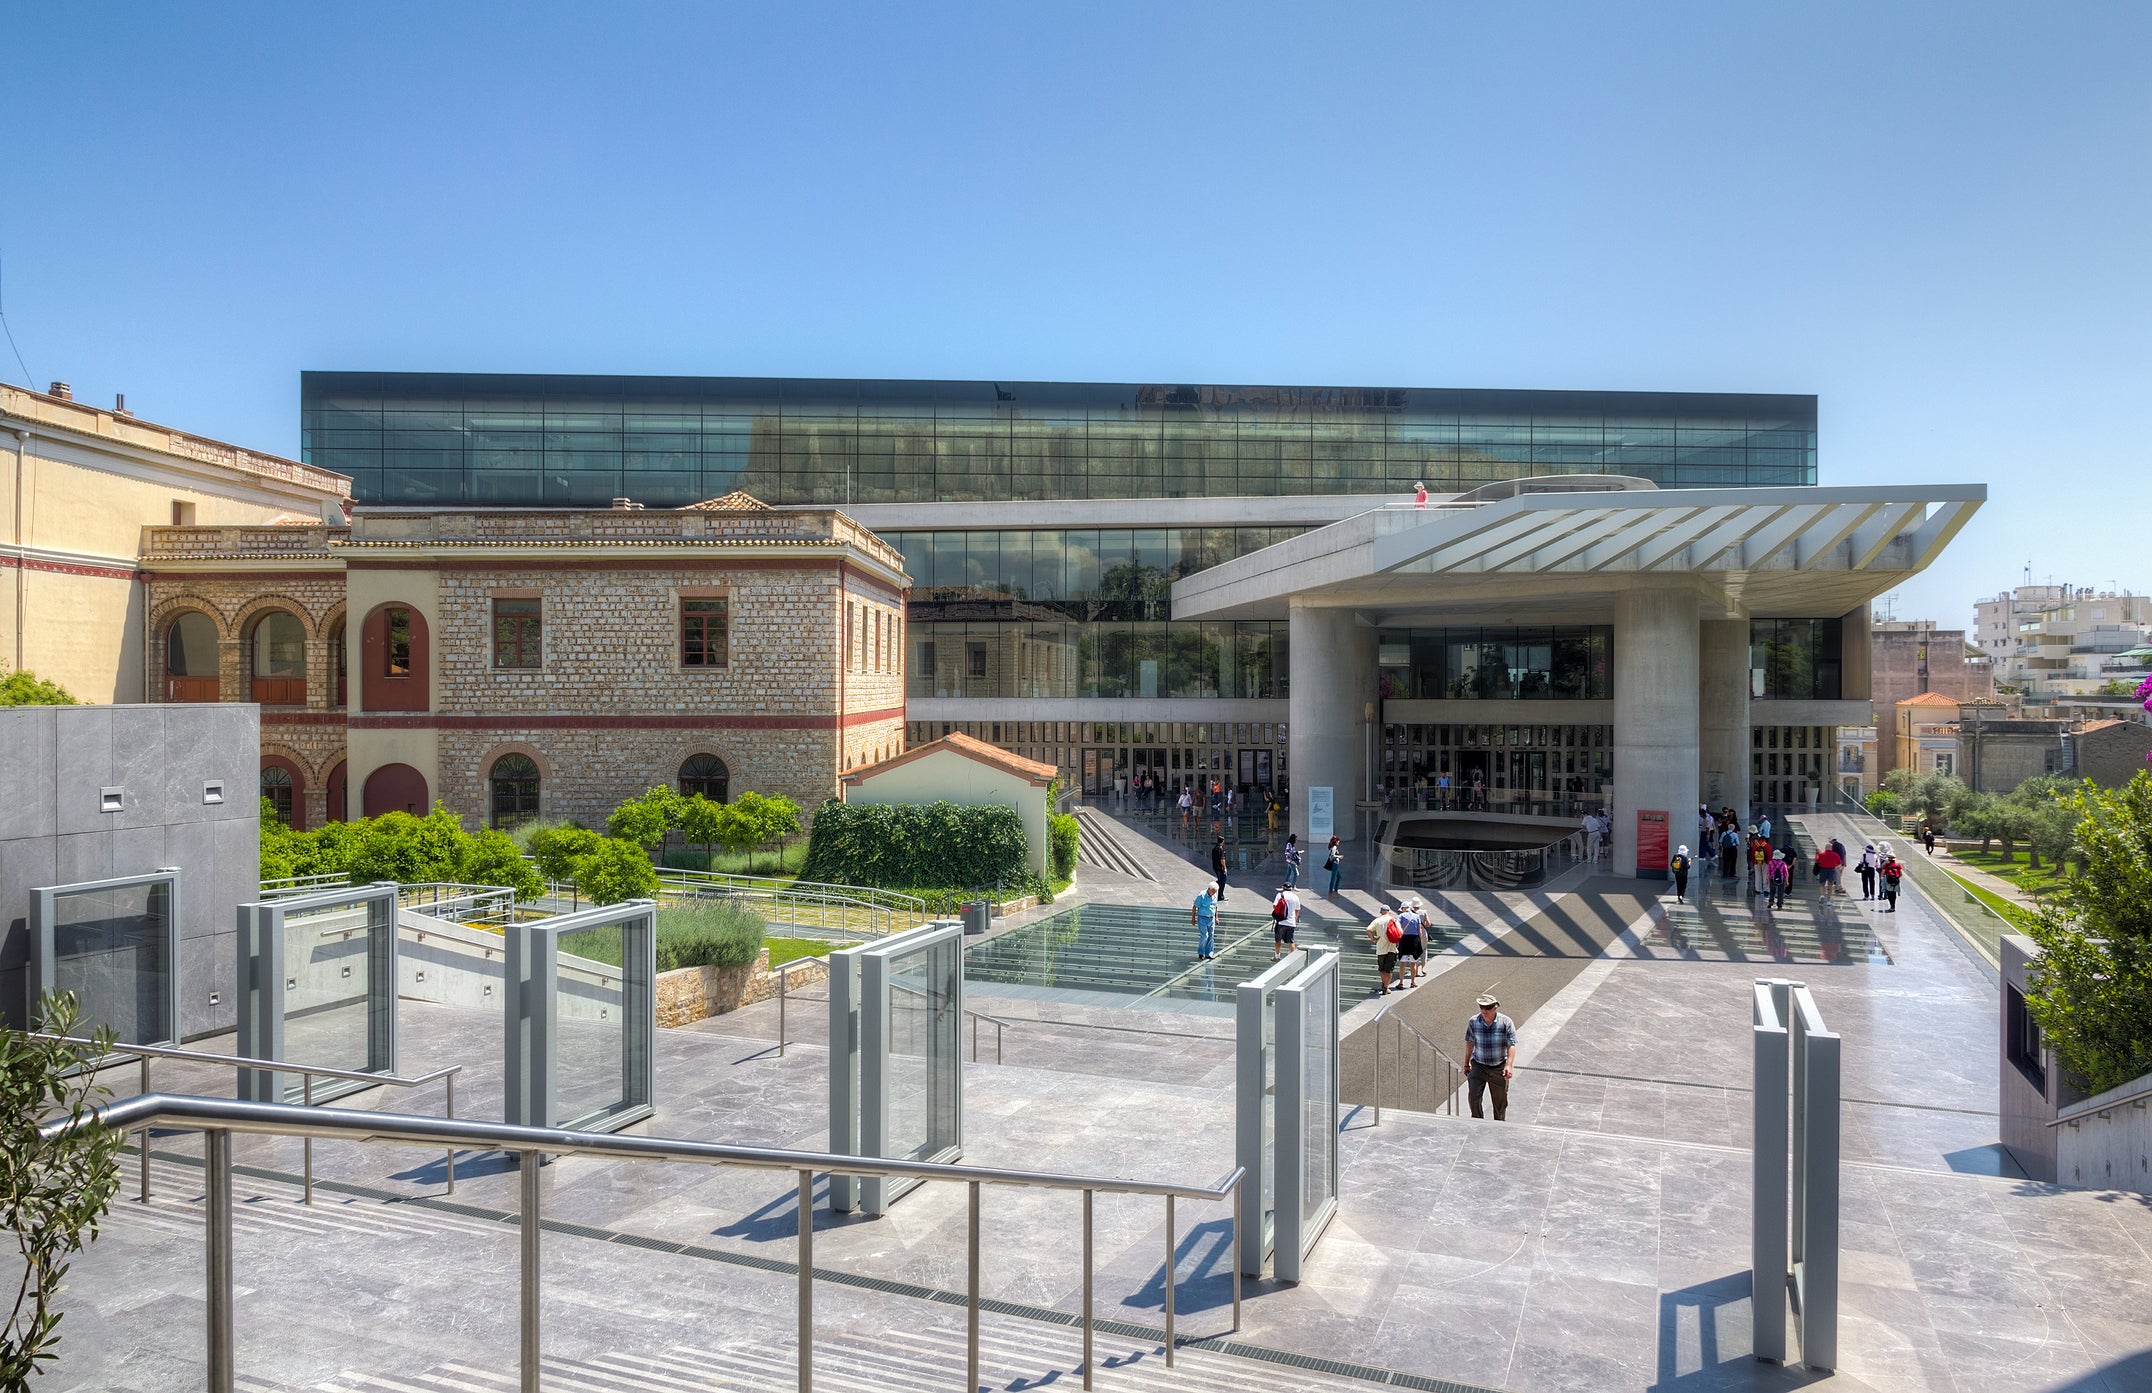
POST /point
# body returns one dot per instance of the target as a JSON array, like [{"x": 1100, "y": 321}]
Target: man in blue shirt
[
  {"x": 1491, "y": 1057},
  {"x": 1204, "y": 915}
]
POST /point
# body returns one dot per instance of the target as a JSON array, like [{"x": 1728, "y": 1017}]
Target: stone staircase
[
  {"x": 1103, "y": 849},
  {"x": 928, "y": 1360}
]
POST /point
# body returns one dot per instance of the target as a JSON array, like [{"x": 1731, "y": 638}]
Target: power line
[{"x": 29, "y": 379}]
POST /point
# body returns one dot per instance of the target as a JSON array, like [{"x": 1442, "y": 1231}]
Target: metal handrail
[
  {"x": 445, "y": 1076},
  {"x": 1453, "y": 1072},
  {"x": 2083, "y": 1112},
  {"x": 218, "y": 1118},
  {"x": 301, "y": 884}
]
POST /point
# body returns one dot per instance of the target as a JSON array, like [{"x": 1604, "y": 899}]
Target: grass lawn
[
  {"x": 2017, "y": 869},
  {"x": 2016, "y": 916},
  {"x": 784, "y": 950}
]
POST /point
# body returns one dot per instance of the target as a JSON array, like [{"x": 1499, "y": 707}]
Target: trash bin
[{"x": 978, "y": 915}]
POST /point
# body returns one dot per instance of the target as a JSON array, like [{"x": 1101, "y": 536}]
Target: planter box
[{"x": 688, "y": 994}]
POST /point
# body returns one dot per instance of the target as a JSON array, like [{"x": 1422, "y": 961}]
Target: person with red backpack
[
  {"x": 1284, "y": 921},
  {"x": 1385, "y": 934},
  {"x": 1893, "y": 873}
]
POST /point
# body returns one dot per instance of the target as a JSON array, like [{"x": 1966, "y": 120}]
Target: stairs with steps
[
  {"x": 1011, "y": 1359},
  {"x": 1101, "y": 848}
]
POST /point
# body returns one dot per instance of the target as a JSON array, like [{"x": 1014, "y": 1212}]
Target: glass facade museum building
[{"x": 1052, "y": 532}]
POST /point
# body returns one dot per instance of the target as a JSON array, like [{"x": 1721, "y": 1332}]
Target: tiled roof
[
  {"x": 965, "y": 745},
  {"x": 1929, "y": 699},
  {"x": 733, "y": 502}
]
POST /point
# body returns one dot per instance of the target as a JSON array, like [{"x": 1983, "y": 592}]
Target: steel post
[
  {"x": 1087, "y": 1285},
  {"x": 971, "y": 1296},
  {"x": 1171, "y": 1245},
  {"x": 307, "y": 1087},
  {"x": 450, "y": 1082},
  {"x": 528, "y": 1161},
  {"x": 145, "y": 1134},
  {"x": 806, "y": 1281},
  {"x": 217, "y": 1209}
]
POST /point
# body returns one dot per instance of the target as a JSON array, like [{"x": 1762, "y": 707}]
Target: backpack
[
  {"x": 1892, "y": 871},
  {"x": 1277, "y": 910},
  {"x": 1394, "y": 933},
  {"x": 1681, "y": 865}
]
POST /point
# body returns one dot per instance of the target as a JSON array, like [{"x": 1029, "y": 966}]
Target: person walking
[
  {"x": 1491, "y": 1057},
  {"x": 1385, "y": 934},
  {"x": 1285, "y": 921},
  {"x": 1204, "y": 915},
  {"x": 1187, "y": 805},
  {"x": 1892, "y": 873},
  {"x": 1927, "y": 837},
  {"x": 1759, "y": 856},
  {"x": 1419, "y": 495},
  {"x": 1292, "y": 858},
  {"x": 1780, "y": 874},
  {"x": 1335, "y": 864},
  {"x": 1870, "y": 864},
  {"x": 1763, "y": 827},
  {"x": 1729, "y": 853},
  {"x": 1412, "y": 945},
  {"x": 1479, "y": 792},
  {"x": 1218, "y": 865},
  {"x": 1442, "y": 791},
  {"x": 1680, "y": 868},
  {"x": 1829, "y": 862},
  {"x": 1591, "y": 836}
]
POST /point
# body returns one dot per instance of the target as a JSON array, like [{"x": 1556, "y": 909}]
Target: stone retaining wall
[{"x": 689, "y": 994}]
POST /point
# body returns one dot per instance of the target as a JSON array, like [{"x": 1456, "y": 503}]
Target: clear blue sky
[{"x": 1935, "y": 217}]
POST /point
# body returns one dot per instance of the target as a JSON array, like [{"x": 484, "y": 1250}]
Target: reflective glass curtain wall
[
  {"x": 317, "y": 985},
  {"x": 115, "y": 945},
  {"x": 435, "y": 438}
]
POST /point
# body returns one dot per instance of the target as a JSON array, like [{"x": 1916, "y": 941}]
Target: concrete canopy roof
[{"x": 1559, "y": 557}]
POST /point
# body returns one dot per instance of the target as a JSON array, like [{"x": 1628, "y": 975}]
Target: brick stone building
[
  {"x": 1908, "y": 658},
  {"x": 2108, "y": 752},
  {"x": 526, "y": 663}
]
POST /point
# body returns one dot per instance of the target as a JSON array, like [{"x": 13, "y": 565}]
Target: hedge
[
  {"x": 703, "y": 935},
  {"x": 909, "y": 844},
  {"x": 1063, "y": 836}
]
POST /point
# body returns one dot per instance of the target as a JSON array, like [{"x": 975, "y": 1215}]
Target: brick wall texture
[{"x": 813, "y": 682}]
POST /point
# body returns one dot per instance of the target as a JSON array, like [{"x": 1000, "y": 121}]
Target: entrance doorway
[
  {"x": 1255, "y": 772},
  {"x": 1472, "y": 764}
]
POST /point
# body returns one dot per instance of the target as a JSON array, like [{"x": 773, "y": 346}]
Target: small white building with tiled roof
[{"x": 967, "y": 772}]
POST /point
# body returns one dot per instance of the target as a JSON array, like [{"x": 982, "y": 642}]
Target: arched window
[
  {"x": 190, "y": 658},
  {"x": 706, "y": 775},
  {"x": 276, "y": 787},
  {"x": 279, "y": 660},
  {"x": 514, "y": 784}
]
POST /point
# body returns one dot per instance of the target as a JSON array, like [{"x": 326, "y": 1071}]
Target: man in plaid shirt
[{"x": 1491, "y": 1057}]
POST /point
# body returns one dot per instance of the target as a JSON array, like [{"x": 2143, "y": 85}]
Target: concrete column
[
  {"x": 1333, "y": 679},
  {"x": 1856, "y": 658},
  {"x": 1656, "y": 676},
  {"x": 1723, "y": 714}
]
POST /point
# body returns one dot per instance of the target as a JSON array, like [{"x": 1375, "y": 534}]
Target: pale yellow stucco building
[{"x": 78, "y": 483}]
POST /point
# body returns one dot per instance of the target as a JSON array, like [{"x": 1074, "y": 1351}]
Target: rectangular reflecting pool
[{"x": 1141, "y": 956}]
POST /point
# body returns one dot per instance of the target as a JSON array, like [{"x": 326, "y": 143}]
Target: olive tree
[{"x": 53, "y": 1191}]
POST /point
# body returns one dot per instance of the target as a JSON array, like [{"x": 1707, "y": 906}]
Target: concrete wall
[
  {"x": 2023, "y": 1107},
  {"x": 54, "y": 763},
  {"x": 2108, "y": 1150},
  {"x": 1334, "y": 677},
  {"x": 1722, "y": 714},
  {"x": 946, "y": 776},
  {"x": 2111, "y": 755},
  {"x": 1657, "y": 677}
]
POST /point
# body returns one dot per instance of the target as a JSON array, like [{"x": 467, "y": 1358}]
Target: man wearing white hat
[{"x": 1491, "y": 1057}]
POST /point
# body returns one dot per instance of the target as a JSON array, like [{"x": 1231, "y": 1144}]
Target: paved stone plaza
[{"x": 1598, "y": 1240}]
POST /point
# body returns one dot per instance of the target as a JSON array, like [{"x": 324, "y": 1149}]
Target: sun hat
[{"x": 1486, "y": 1001}]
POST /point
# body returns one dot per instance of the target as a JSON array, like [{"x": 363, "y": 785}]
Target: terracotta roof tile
[
  {"x": 1930, "y": 699},
  {"x": 970, "y": 748},
  {"x": 736, "y": 501}
]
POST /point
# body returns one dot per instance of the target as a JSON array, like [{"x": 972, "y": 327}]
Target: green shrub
[
  {"x": 1885, "y": 804},
  {"x": 712, "y": 934},
  {"x": 2092, "y": 983},
  {"x": 647, "y": 819},
  {"x": 556, "y": 848},
  {"x": 615, "y": 869},
  {"x": 23, "y": 687},
  {"x": 524, "y": 832},
  {"x": 406, "y": 849},
  {"x": 906, "y": 844},
  {"x": 491, "y": 858},
  {"x": 1063, "y": 837}
]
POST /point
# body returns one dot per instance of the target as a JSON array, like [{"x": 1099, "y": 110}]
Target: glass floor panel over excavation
[{"x": 1146, "y": 956}]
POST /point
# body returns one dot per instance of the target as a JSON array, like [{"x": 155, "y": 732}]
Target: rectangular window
[
  {"x": 702, "y": 633},
  {"x": 976, "y": 655},
  {"x": 182, "y": 513},
  {"x": 1946, "y": 764},
  {"x": 2023, "y": 1044},
  {"x": 399, "y": 642},
  {"x": 516, "y": 633}
]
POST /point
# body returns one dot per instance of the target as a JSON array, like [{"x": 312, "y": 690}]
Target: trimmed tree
[{"x": 2092, "y": 984}]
